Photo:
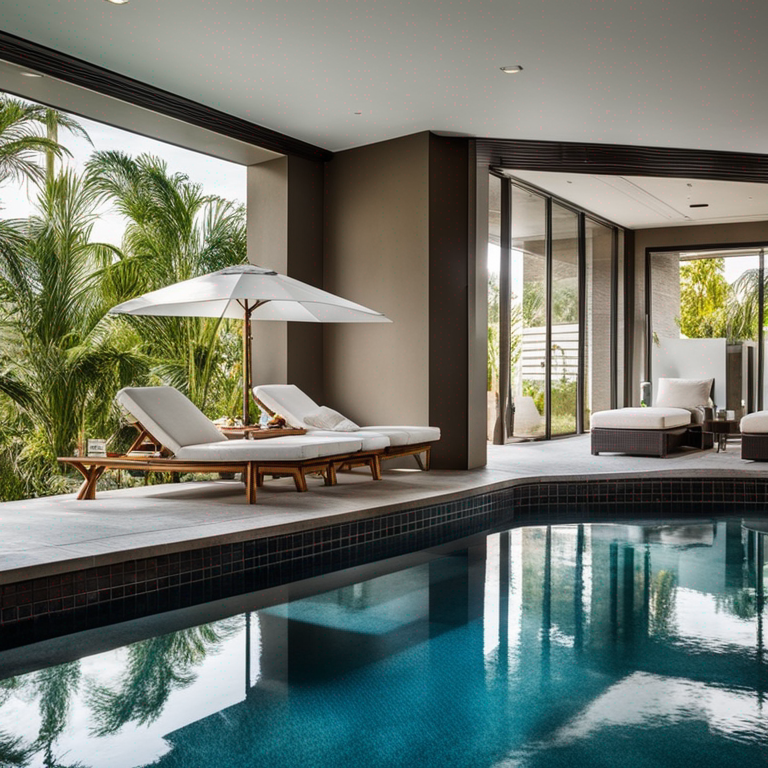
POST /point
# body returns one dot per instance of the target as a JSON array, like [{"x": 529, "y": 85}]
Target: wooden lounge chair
[
  {"x": 295, "y": 406},
  {"x": 191, "y": 443}
]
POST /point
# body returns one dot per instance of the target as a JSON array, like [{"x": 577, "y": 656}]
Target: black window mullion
[
  {"x": 581, "y": 380},
  {"x": 614, "y": 339},
  {"x": 548, "y": 334},
  {"x": 760, "y": 332}
]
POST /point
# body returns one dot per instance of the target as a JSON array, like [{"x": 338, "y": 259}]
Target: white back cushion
[
  {"x": 683, "y": 393},
  {"x": 287, "y": 400},
  {"x": 327, "y": 418},
  {"x": 171, "y": 417}
]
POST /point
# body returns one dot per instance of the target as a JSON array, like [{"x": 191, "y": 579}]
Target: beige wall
[
  {"x": 685, "y": 238},
  {"x": 377, "y": 254},
  {"x": 285, "y": 233}
]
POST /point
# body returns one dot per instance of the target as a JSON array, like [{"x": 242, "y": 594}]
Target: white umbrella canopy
[
  {"x": 263, "y": 294},
  {"x": 247, "y": 292}
]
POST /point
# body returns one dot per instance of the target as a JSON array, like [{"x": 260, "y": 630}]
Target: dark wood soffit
[
  {"x": 78, "y": 72},
  {"x": 623, "y": 160}
]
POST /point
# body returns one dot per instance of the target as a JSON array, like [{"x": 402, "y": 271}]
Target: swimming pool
[{"x": 573, "y": 645}]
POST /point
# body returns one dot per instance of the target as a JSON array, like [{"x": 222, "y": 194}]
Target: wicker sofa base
[
  {"x": 754, "y": 447},
  {"x": 645, "y": 442}
]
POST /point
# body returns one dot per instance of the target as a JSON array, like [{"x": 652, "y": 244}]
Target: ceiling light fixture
[
  {"x": 699, "y": 205},
  {"x": 30, "y": 74},
  {"x": 117, "y": 2},
  {"x": 512, "y": 70}
]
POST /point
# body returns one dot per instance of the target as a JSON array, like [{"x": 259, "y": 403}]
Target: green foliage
[
  {"x": 515, "y": 339},
  {"x": 175, "y": 232},
  {"x": 62, "y": 356},
  {"x": 704, "y": 298}
]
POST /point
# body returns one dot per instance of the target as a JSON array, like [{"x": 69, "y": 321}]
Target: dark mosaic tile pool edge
[{"x": 69, "y": 602}]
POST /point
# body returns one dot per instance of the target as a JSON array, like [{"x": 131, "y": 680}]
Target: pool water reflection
[{"x": 591, "y": 645}]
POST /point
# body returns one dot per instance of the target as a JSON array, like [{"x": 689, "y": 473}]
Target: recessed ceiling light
[
  {"x": 31, "y": 74},
  {"x": 512, "y": 70},
  {"x": 117, "y": 2}
]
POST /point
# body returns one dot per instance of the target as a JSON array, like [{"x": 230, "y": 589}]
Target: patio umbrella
[{"x": 248, "y": 292}]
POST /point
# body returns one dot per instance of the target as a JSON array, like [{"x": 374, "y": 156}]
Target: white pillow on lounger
[
  {"x": 683, "y": 393},
  {"x": 327, "y": 418}
]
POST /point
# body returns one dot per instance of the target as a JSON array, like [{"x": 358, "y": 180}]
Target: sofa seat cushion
[
  {"x": 399, "y": 436},
  {"x": 274, "y": 449},
  {"x": 171, "y": 417},
  {"x": 755, "y": 423},
  {"x": 641, "y": 418},
  {"x": 372, "y": 441}
]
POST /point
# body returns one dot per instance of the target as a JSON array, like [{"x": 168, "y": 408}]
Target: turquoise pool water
[{"x": 593, "y": 645}]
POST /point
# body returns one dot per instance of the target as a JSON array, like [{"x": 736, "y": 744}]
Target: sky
[{"x": 218, "y": 177}]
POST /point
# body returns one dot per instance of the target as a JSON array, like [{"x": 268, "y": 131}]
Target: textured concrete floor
[{"x": 45, "y": 536}]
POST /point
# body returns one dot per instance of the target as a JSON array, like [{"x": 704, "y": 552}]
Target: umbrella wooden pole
[{"x": 246, "y": 363}]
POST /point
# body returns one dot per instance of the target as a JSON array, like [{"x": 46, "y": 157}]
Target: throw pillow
[
  {"x": 683, "y": 393},
  {"x": 327, "y": 418}
]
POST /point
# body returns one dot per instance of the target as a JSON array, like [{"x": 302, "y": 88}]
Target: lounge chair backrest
[
  {"x": 287, "y": 400},
  {"x": 169, "y": 416}
]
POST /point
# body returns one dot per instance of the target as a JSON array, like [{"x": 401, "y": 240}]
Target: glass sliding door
[
  {"x": 528, "y": 316},
  {"x": 564, "y": 313},
  {"x": 555, "y": 315},
  {"x": 598, "y": 248}
]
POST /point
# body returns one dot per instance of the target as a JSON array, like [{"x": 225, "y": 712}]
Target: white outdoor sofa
[
  {"x": 674, "y": 421},
  {"x": 191, "y": 443},
  {"x": 297, "y": 407}
]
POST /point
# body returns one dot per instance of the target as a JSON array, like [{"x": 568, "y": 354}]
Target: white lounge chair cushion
[
  {"x": 755, "y": 423},
  {"x": 406, "y": 435},
  {"x": 682, "y": 393},
  {"x": 641, "y": 418},
  {"x": 327, "y": 418},
  {"x": 294, "y": 405},
  {"x": 287, "y": 400},
  {"x": 171, "y": 417},
  {"x": 273, "y": 449},
  {"x": 371, "y": 441}
]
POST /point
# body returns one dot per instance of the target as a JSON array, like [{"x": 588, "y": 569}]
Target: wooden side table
[
  {"x": 722, "y": 430},
  {"x": 257, "y": 433}
]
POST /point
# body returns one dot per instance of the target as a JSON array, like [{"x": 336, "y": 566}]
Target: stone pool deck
[{"x": 45, "y": 537}]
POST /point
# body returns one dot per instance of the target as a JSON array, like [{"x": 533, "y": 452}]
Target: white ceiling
[
  {"x": 641, "y": 202},
  {"x": 686, "y": 73}
]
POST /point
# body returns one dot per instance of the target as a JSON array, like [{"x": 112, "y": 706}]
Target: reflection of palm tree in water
[
  {"x": 155, "y": 668},
  {"x": 54, "y": 688},
  {"x": 663, "y": 602}
]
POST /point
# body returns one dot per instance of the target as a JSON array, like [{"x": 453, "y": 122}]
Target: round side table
[{"x": 723, "y": 429}]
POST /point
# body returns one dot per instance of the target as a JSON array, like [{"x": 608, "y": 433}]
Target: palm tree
[
  {"x": 175, "y": 232},
  {"x": 21, "y": 143},
  {"x": 61, "y": 359}
]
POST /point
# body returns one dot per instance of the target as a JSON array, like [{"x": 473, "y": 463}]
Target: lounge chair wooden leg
[
  {"x": 251, "y": 473},
  {"x": 332, "y": 478},
  {"x": 419, "y": 461},
  {"x": 299, "y": 479},
  {"x": 375, "y": 465}
]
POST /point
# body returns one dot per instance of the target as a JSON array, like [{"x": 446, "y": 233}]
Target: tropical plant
[
  {"x": 21, "y": 141},
  {"x": 61, "y": 359},
  {"x": 175, "y": 232}
]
